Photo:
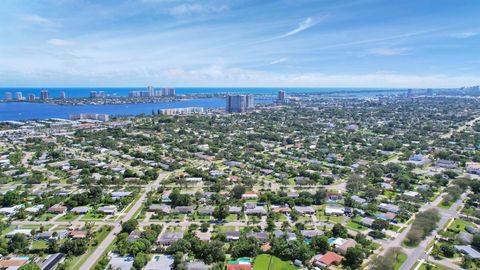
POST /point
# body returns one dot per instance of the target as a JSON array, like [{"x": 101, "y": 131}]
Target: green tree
[
  {"x": 320, "y": 244},
  {"x": 129, "y": 225},
  {"x": 339, "y": 230},
  {"x": 18, "y": 244},
  {"x": 29, "y": 266},
  {"x": 140, "y": 261},
  {"x": 221, "y": 212},
  {"x": 353, "y": 258}
]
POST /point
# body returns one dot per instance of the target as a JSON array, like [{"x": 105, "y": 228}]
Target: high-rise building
[
  {"x": 8, "y": 95},
  {"x": 62, "y": 95},
  {"x": 151, "y": 91},
  {"x": 44, "y": 94},
  {"x": 239, "y": 103},
  {"x": 168, "y": 92},
  {"x": 101, "y": 94},
  {"x": 93, "y": 94},
  {"x": 134, "y": 94},
  {"x": 18, "y": 95},
  {"x": 31, "y": 97},
  {"x": 281, "y": 97}
]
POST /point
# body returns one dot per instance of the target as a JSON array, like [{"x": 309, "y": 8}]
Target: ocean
[
  {"x": 82, "y": 92},
  {"x": 32, "y": 111}
]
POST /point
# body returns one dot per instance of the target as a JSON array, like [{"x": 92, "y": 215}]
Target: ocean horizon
[{"x": 82, "y": 92}]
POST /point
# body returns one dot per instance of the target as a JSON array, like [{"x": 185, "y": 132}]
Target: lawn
[
  {"x": 355, "y": 226},
  {"x": 441, "y": 205},
  {"x": 93, "y": 217},
  {"x": 460, "y": 224},
  {"x": 46, "y": 217},
  {"x": 39, "y": 244},
  {"x": 68, "y": 217},
  {"x": 401, "y": 258},
  {"x": 268, "y": 262},
  {"x": 231, "y": 218},
  {"x": 434, "y": 267}
]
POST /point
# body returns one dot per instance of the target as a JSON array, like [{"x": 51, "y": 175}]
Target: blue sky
[{"x": 289, "y": 43}]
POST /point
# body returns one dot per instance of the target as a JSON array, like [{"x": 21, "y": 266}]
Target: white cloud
[
  {"x": 389, "y": 51},
  {"x": 302, "y": 26},
  {"x": 39, "y": 20},
  {"x": 464, "y": 34},
  {"x": 60, "y": 42},
  {"x": 278, "y": 61},
  {"x": 189, "y": 9}
]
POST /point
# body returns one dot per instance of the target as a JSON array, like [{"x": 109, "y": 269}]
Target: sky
[{"x": 240, "y": 43}]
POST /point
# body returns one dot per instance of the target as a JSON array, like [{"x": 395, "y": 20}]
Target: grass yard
[
  {"x": 401, "y": 258},
  {"x": 355, "y": 226},
  {"x": 224, "y": 228},
  {"x": 39, "y": 244},
  {"x": 68, "y": 217},
  {"x": 460, "y": 224},
  {"x": 231, "y": 218},
  {"x": 442, "y": 205},
  {"x": 434, "y": 267},
  {"x": 46, "y": 217},
  {"x": 268, "y": 262},
  {"x": 93, "y": 217}
]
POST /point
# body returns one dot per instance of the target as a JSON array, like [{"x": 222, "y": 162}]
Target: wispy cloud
[
  {"x": 201, "y": 9},
  {"x": 39, "y": 20},
  {"x": 60, "y": 42},
  {"x": 302, "y": 26},
  {"x": 389, "y": 51},
  {"x": 278, "y": 61},
  {"x": 464, "y": 34}
]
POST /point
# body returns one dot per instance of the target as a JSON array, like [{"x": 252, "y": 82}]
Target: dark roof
[{"x": 52, "y": 261}]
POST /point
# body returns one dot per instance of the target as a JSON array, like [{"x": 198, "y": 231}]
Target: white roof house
[{"x": 334, "y": 210}]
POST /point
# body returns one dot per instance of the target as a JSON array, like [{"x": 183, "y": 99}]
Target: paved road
[
  {"x": 90, "y": 262},
  {"x": 420, "y": 252}
]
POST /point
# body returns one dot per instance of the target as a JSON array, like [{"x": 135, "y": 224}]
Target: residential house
[
  {"x": 358, "y": 200},
  {"x": 366, "y": 221},
  {"x": 160, "y": 262},
  {"x": 57, "y": 209},
  {"x": 78, "y": 234},
  {"x": 109, "y": 210},
  {"x": 465, "y": 238},
  {"x": 80, "y": 210},
  {"x": 203, "y": 236},
  {"x": 311, "y": 233},
  {"x": 120, "y": 194},
  {"x": 160, "y": 208},
  {"x": 52, "y": 261},
  {"x": 134, "y": 235},
  {"x": 305, "y": 210},
  {"x": 331, "y": 210},
  {"x": 327, "y": 260},
  {"x": 13, "y": 262},
  {"x": 472, "y": 167},
  {"x": 468, "y": 250},
  {"x": 385, "y": 207},
  {"x": 447, "y": 164},
  {"x": 167, "y": 238},
  {"x": 250, "y": 195},
  {"x": 26, "y": 232},
  {"x": 232, "y": 235},
  {"x": 207, "y": 211},
  {"x": 184, "y": 209},
  {"x": 234, "y": 210},
  {"x": 342, "y": 249},
  {"x": 258, "y": 210}
]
